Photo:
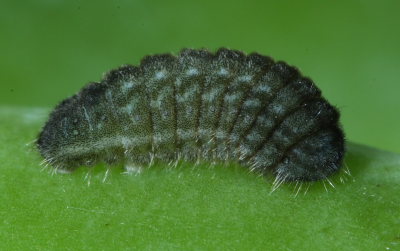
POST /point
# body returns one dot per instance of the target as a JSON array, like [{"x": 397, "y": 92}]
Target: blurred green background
[{"x": 51, "y": 48}]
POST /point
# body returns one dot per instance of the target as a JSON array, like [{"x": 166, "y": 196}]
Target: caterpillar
[{"x": 199, "y": 105}]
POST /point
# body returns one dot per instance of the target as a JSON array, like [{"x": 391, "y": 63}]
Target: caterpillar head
[{"x": 69, "y": 126}]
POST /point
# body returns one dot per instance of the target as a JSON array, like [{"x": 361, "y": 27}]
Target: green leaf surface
[{"x": 189, "y": 207}]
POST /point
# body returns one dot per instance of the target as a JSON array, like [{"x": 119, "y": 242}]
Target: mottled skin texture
[{"x": 223, "y": 106}]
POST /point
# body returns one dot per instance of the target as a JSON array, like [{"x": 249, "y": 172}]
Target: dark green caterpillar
[{"x": 199, "y": 106}]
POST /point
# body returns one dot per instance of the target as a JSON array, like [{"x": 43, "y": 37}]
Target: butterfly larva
[{"x": 199, "y": 106}]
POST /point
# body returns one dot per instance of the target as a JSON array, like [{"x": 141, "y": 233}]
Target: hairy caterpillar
[{"x": 199, "y": 106}]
